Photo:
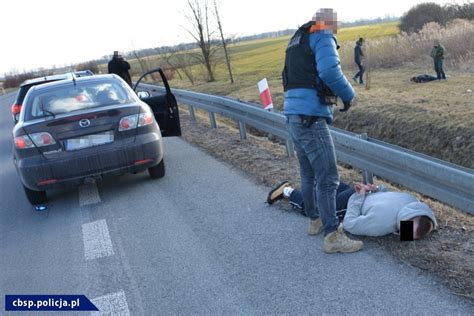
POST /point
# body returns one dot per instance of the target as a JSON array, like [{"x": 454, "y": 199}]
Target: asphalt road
[{"x": 199, "y": 241}]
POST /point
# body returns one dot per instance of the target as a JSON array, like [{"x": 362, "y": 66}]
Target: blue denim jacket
[{"x": 306, "y": 101}]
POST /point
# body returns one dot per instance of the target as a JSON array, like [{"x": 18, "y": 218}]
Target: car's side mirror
[{"x": 143, "y": 94}]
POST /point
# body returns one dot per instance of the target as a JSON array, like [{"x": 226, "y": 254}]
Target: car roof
[
  {"x": 77, "y": 79},
  {"x": 69, "y": 75},
  {"x": 45, "y": 78}
]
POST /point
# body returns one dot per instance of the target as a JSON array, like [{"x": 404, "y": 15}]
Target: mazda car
[{"x": 84, "y": 128}]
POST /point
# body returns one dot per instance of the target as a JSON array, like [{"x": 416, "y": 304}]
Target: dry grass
[
  {"x": 414, "y": 49},
  {"x": 433, "y": 118},
  {"x": 448, "y": 254}
]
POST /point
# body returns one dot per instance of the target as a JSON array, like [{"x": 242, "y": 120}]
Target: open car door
[{"x": 164, "y": 107}]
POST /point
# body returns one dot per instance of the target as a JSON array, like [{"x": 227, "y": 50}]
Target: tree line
[{"x": 423, "y": 13}]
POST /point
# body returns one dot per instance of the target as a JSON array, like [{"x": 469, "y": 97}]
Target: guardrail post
[
  {"x": 212, "y": 118},
  {"x": 368, "y": 177},
  {"x": 243, "y": 130},
  {"x": 290, "y": 149},
  {"x": 191, "y": 112}
]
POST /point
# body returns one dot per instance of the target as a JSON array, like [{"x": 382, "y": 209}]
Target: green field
[
  {"x": 253, "y": 60},
  {"x": 264, "y": 58}
]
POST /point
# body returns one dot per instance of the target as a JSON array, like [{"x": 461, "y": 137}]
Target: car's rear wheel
[
  {"x": 157, "y": 171},
  {"x": 35, "y": 197}
]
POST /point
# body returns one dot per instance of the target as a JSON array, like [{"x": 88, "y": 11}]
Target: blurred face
[
  {"x": 436, "y": 43},
  {"x": 416, "y": 223},
  {"x": 327, "y": 18}
]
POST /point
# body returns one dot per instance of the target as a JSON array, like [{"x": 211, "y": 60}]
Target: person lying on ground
[
  {"x": 295, "y": 197},
  {"x": 423, "y": 78},
  {"x": 368, "y": 211}
]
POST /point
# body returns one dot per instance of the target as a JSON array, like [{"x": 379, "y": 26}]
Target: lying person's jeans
[{"x": 344, "y": 192}]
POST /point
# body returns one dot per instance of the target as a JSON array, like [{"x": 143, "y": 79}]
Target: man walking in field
[
  {"x": 359, "y": 59},
  {"x": 311, "y": 74},
  {"x": 437, "y": 53}
]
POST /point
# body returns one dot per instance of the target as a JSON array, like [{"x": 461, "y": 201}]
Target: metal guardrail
[{"x": 446, "y": 182}]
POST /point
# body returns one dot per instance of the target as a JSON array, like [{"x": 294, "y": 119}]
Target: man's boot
[
  {"x": 338, "y": 241},
  {"x": 315, "y": 227}
]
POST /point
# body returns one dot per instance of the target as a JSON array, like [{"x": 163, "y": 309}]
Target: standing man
[
  {"x": 437, "y": 53},
  {"x": 119, "y": 66},
  {"x": 311, "y": 74},
  {"x": 359, "y": 58}
]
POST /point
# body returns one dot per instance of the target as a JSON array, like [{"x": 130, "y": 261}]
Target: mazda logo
[{"x": 84, "y": 123}]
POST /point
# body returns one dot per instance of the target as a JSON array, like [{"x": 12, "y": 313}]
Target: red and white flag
[{"x": 265, "y": 95}]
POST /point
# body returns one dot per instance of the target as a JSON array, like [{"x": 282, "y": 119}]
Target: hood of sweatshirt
[{"x": 415, "y": 209}]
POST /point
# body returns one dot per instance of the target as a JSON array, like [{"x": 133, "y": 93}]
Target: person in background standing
[
  {"x": 437, "y": 53},
  {"x": 119, "y": 66}
]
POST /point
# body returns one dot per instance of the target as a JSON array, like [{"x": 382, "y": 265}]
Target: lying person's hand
[{"x": 363, "y": 189}]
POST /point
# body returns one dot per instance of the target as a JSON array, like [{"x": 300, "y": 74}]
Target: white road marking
[
  {"x": 97, "y": 242},
  {"x": 111, "y": 304},
  {"x": 88, "y": 194}
]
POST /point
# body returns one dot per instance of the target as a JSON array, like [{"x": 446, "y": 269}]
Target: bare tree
[
  {"x": 143, "y": 64},
  {"x": 224, "y": 44},
  {"x": 201, "y": 33}
]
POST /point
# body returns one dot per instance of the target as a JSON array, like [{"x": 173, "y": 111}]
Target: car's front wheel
[
  {"x": 35, "y": 197},
  {"x": 157, "y": 171}
]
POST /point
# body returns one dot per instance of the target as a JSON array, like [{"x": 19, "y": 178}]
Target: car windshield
[{"x": 69, "y": 98}]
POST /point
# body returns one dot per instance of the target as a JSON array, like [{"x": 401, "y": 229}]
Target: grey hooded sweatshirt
[{"x": 380, "y": 213}]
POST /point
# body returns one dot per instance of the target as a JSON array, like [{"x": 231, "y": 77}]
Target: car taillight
[
  {"x": 145, "y": 119},
  {"x": 16, "y": 108},
  {"x": 134, "y": 121},
  {"x": 38, "y": 139},
  {"x": 128, "y": 122}
]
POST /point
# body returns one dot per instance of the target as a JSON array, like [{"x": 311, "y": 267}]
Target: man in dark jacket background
[
  {"x": 437, "y": 53},
  {"x": 119, "y": 66},
  {"x": 359, "y": 60},
  {"x": 311, "y": 77}
]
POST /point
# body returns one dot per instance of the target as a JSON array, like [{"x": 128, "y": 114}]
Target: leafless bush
[
  {"x": 423, "y": 13},
  {"x": 180, "y": 62},
  {"x": 13, "y": 80},
  {"x": 419, "y": 15},
  {"x": 414, "y": 49},
  {"x": 90, "y": 65}
]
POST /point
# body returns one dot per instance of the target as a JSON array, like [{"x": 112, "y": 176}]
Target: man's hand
[{"x": 347, "y": 105}]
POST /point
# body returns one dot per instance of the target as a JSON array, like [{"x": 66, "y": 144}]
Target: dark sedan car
[
  {"x": 25, "y": 86},
  {"x": 70, "y": 131}
]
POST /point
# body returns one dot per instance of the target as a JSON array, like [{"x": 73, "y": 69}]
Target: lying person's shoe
[
  {"x": 338, "y": 241},
  {"x": 277, "y": 193},
  {"x": 315, "y": 227}
]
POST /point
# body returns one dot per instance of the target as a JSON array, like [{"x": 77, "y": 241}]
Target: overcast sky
[{"x": 42, "y": 33}]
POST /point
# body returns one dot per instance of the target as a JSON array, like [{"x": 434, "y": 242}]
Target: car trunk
[{"x": 84, "y": 130}]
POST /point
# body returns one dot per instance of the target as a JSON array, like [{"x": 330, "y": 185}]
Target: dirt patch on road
[{"x": 448, "y": 254}]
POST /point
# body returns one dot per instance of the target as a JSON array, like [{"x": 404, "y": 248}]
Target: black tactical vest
[{"x": 300, "y": 66}]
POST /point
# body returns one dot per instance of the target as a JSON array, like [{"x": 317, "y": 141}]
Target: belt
[{"x": 307, "y": 121}]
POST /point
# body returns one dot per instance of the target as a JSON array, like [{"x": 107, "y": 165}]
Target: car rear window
[{"x": 70, "y": 98}]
